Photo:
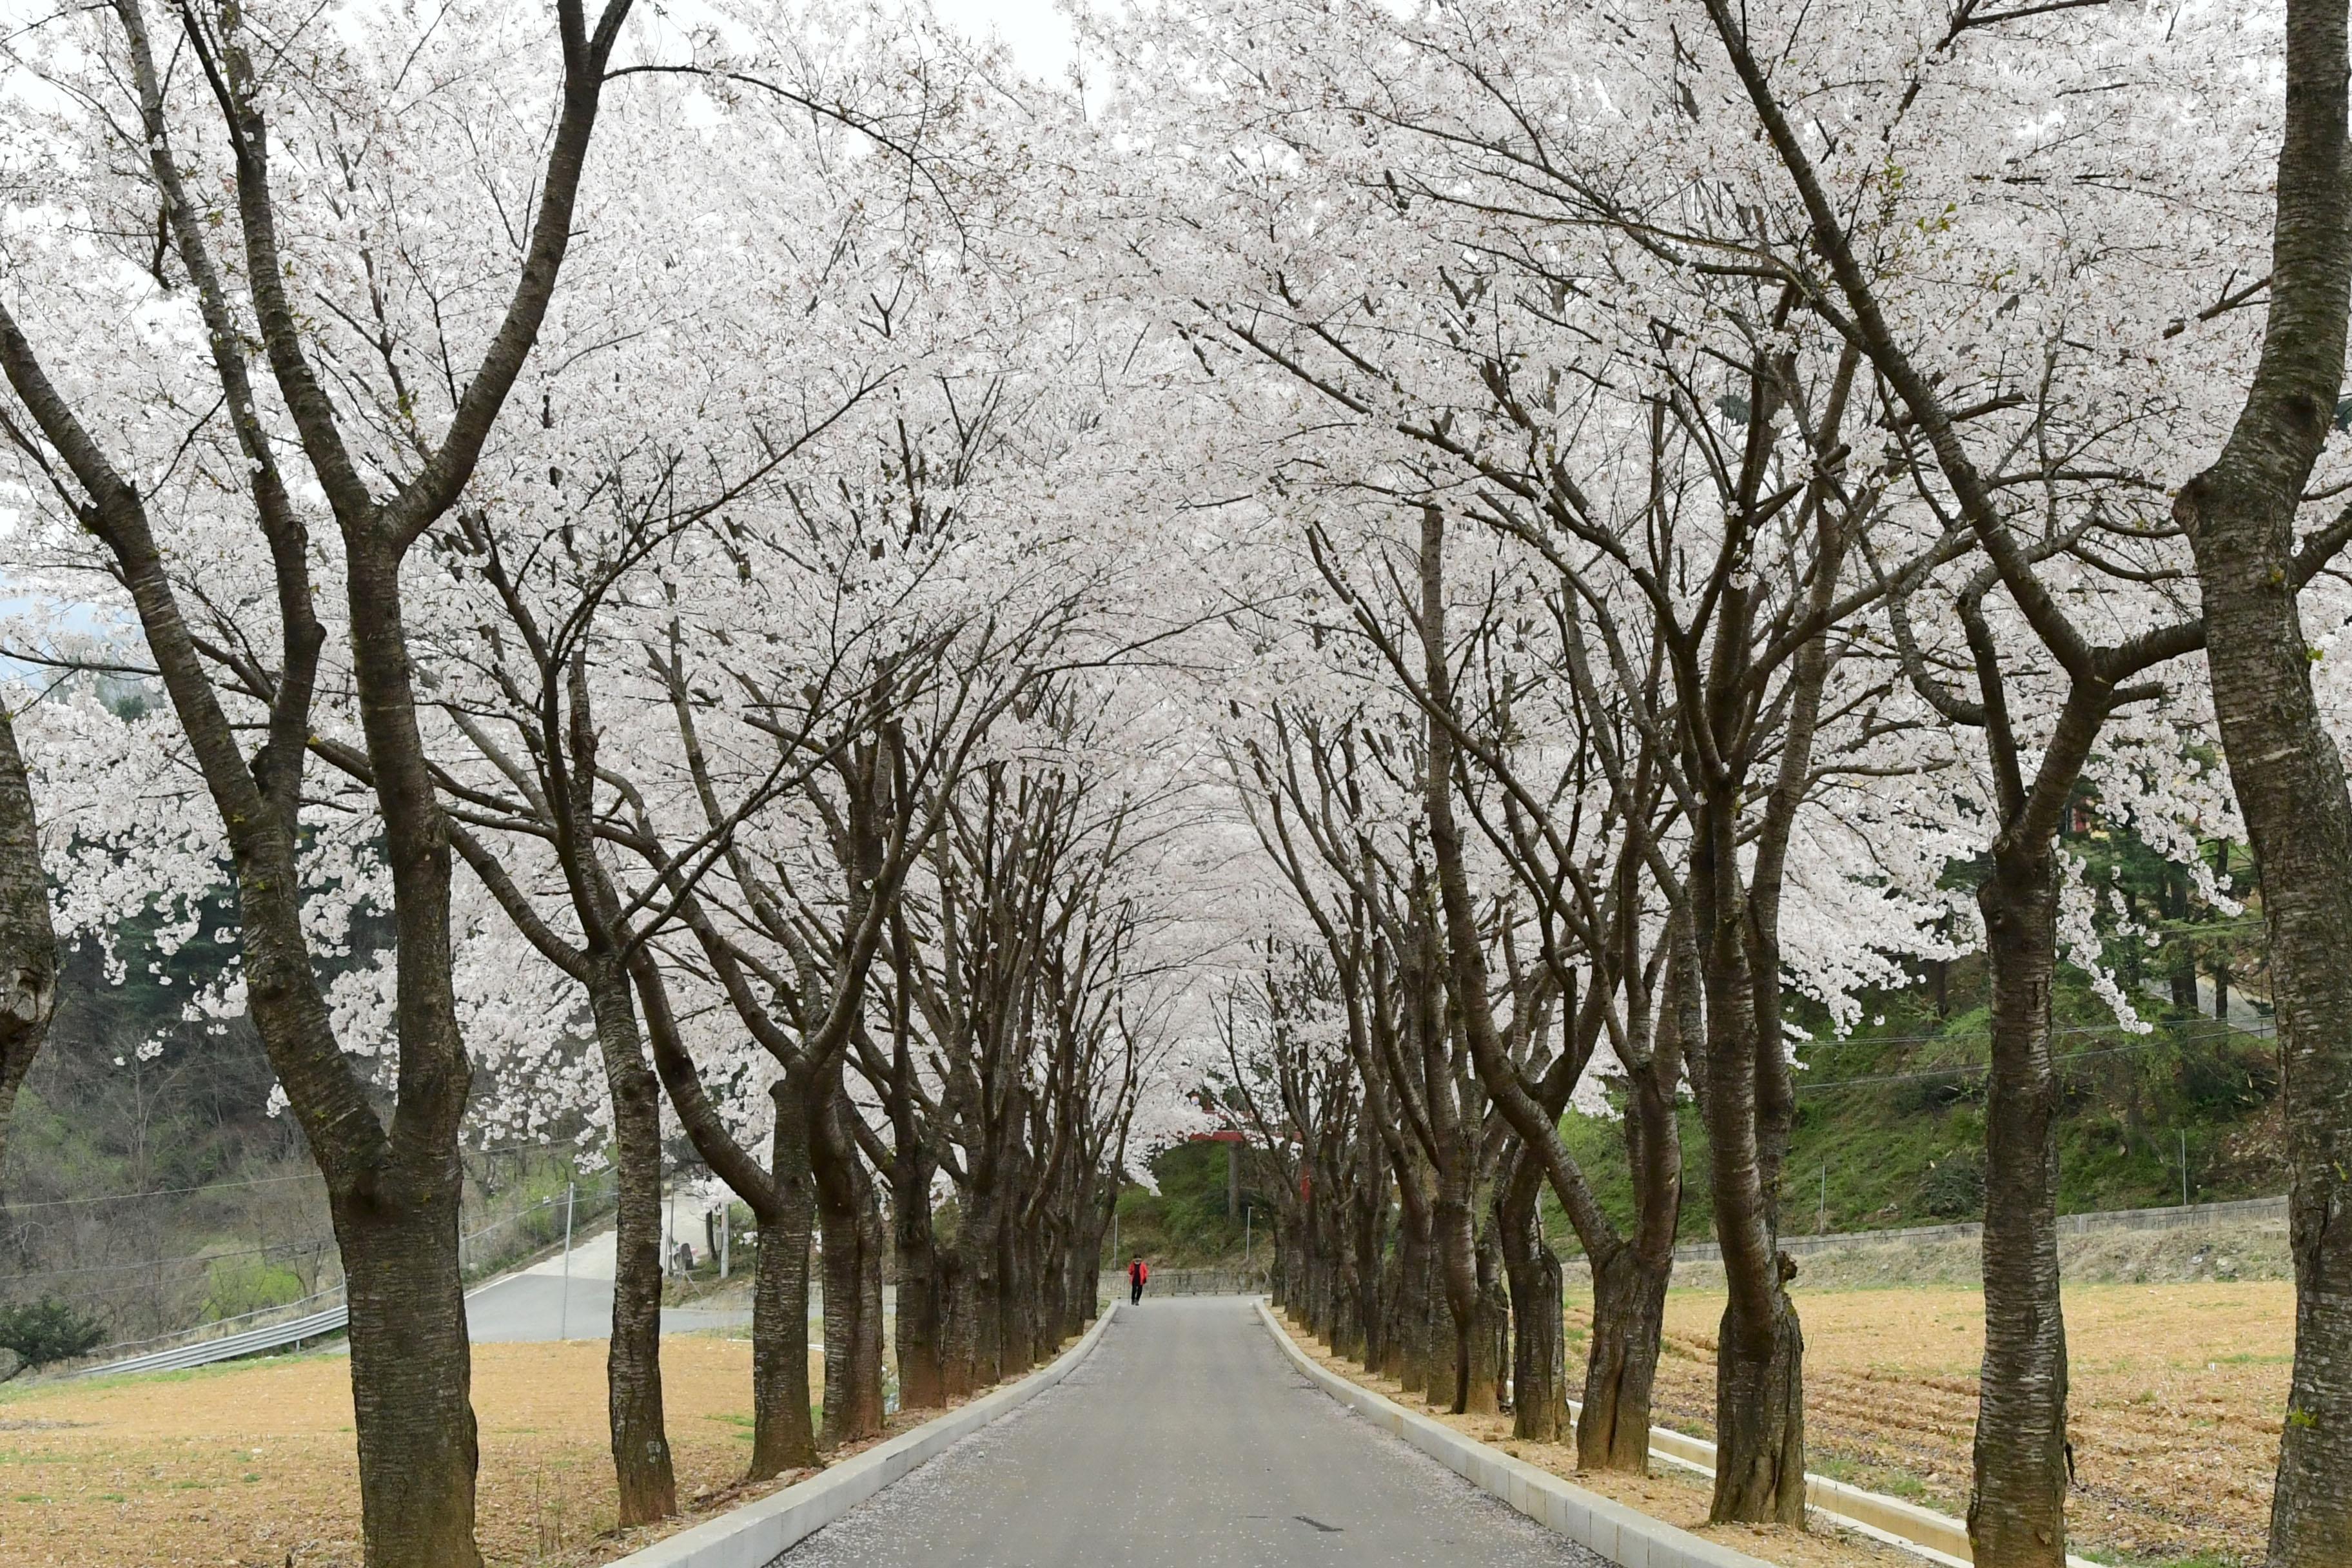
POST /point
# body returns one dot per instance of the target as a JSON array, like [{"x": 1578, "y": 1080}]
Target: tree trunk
[
  {"x": 974, "y": 1325},
  {"x": 922, "y": 1375},
  {"x": 851, "y": 1231},
  {"x": 1759, "y": 1417},
  {"x": 1371, "y": 1224},
  {"x": 1457, "y": 1264},
  {"x": 2017, "y": 1513},
  {"x": 1490, "y": 1332},
  {"x": 1539, "y": 1344},
  {"x": 1629, "y": 1287},
  {"x": 411, "y": 1373},
  {"x": 866, "y": 1351},
  {"x": 1416, "y": 1317},
  {"x": 783, "y": 1436},
  {"x": 1621, "y": 1363},
  {"x": 28, "y": 945},
  {"x": 641, "y": 1456},
  {"x": 1016, "y": 1301},
  {"x": 2284, "y": 765}
]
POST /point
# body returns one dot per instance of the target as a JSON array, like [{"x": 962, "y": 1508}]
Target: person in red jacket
[{"x": 1138, "y": 1271}]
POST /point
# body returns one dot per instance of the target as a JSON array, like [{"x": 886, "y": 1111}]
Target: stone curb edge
[
  {"x": 754, "y": 1534},
  {"x": 1938, "y": 1537},
  {"x": 1623, "y": 1535}
]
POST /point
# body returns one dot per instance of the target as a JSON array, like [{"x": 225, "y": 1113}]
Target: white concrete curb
[
  {"x": 1938, "y": 1537},
  {"x": 1623, "y": 1535},
  {"x": 751, "y": 1536}
]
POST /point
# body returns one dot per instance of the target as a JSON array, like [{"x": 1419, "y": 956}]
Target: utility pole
[
  {"x": 1821, "y": 1216},
  {"x": 726, "y": 1237},
  {"x": 2184, "y": 1167},
  {"x": 1249, "y": 1217},
  {"x": 563, "y": 1302}
]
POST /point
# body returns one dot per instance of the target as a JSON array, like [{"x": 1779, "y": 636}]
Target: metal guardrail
[{"x": 204, "y": 1353}]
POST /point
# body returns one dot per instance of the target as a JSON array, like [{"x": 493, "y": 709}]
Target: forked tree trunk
[
  {"x": 412, "y": 1372},
  {"x": 28, "y": 946},
  {"x": 641, "y": 1458},
  {"x": 784, "y": 1434},
  {"x": 2284, "y": 765},
  {"x": 2017, "y": 1511}
]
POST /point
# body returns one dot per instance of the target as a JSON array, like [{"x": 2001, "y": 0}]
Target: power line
[
  {"x": 225, "y": 1187},
  {"x": 313, "y": 1244},
  {"x": 162, "y": 1192}
]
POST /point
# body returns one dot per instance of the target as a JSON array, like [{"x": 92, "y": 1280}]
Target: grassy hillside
[
  {"x": 1890, "y": 1122},
  {"x": 1184, "y": 1224}
]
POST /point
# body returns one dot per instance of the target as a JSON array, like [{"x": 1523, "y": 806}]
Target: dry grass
[
  {"x": 2177, "y": 1395},
  {"x": 252, "y": 1463}
]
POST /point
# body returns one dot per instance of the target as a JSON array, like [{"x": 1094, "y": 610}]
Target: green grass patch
[{"x": 1893, "y": 1117}]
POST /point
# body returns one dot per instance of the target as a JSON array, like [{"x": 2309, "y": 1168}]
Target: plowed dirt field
[
  {"x": 252, "y": 1464},
  {"x": 2177, "y": 1396}
]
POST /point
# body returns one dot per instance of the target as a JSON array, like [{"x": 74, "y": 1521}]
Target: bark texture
[
  {"x": 2289, "y": 778},
  {"x": 641, "y": 1456},
  {"x": 28, "y": 945},
  {"x": 784, "y": 1434},
  {"x": 2017, "y": 1511}
]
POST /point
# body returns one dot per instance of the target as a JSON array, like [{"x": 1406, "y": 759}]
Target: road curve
[
  {"x": 1186, "y": 1440},
  {"x": 550, "y": 1300}
]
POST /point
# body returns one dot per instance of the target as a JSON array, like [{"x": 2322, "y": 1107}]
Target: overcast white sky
[{"x": 1039, "y": 35}]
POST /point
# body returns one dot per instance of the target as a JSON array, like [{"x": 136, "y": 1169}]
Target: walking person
[{"x": 1138, "y": 1271}]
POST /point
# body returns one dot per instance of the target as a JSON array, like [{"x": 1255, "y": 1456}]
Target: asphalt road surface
[
  {"x": 537, "y": 1304},
  {"x": 1186, "y": 1440}
]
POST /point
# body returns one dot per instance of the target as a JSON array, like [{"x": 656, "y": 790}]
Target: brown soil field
[
  {"x": 251, "y": 1464},
  {"x": 2177, "y": 1396}
]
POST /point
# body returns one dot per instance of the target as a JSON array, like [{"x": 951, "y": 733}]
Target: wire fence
[{"x": 500, "y": 1230}]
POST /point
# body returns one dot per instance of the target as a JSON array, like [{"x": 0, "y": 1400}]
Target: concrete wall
[{"x": 2184, "y": 1216}]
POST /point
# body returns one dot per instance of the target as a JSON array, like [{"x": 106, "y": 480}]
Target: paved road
[
  {"x": 1186, "y": 1440},
  {"x": 537, "y": 1303}
]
